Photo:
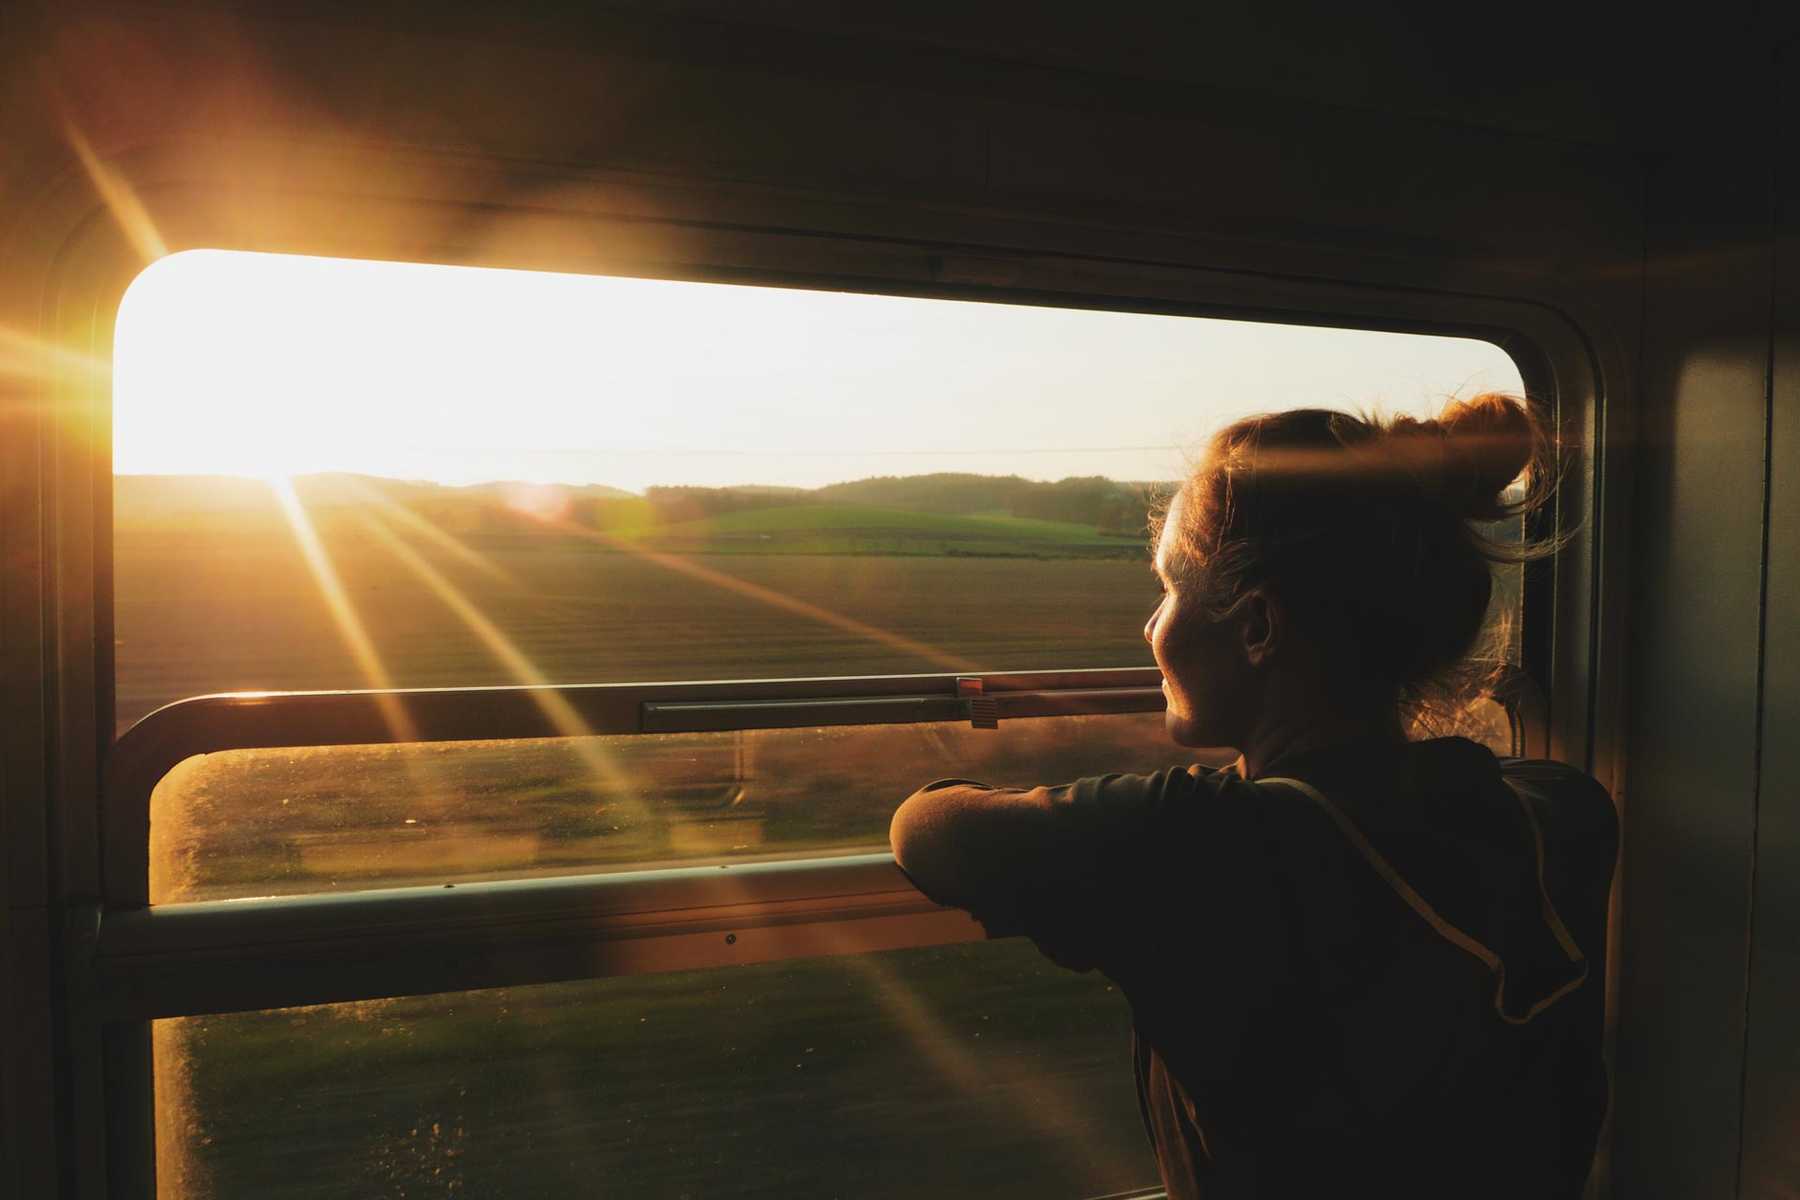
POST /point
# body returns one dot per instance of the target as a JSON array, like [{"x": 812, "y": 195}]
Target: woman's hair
[{"x": 1369, "y": 533}]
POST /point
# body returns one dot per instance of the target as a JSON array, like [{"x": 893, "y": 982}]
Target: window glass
[
  {"x": 350, "y": 474},
  {"x": 953, "y": 1071},
  {"x": 269, "y": 822}
]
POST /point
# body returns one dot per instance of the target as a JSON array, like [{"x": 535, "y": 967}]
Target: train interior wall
[
  {"x": 1642, "y": 184},
  {"x": 1770, "y": 1163}
]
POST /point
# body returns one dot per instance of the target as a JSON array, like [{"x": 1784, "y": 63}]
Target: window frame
[
  {"x": 154, "y": 745},
  {"x": 115, "y": 974}
]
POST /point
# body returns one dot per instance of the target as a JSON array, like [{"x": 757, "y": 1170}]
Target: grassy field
[
  {"x": 241, "y": 610},
  {"x": 864, "y": 529},
  {"x": 954, "y": 1071}
]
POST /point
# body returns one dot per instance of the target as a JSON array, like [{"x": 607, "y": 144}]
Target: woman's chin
[
  {"x": 1183, "y": 730},
  {"x": 1180, "y": 729}
]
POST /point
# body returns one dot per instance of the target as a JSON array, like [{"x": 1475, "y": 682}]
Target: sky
[{"x": 265, "y": 365}]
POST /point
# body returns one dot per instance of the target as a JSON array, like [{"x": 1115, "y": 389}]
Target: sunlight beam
[
  {"x": 437, "y": 536},
  {"x": 350, "y": 625},
  {"x": 562, "y": 715},
  {"x": 1055, "y": 1110},
  {"x": 121, "y": 199},
  {"x": 768, "y": 596},
  {"x": 23, "y": 356}
]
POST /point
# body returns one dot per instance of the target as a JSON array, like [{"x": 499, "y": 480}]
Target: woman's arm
[
  {"x": 1040, "y": 861},
  {"x": 965, "y": 844}
]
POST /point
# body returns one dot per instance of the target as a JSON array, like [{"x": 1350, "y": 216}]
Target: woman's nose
[{"x": 1151, "y": 623}]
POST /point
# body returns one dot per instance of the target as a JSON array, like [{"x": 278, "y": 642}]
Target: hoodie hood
[{"x": 1489, "y": 855}]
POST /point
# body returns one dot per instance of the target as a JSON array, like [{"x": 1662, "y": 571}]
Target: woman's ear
[{"x": 1259, "y": 626}]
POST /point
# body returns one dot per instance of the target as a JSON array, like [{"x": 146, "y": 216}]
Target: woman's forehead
[{"x": 1167, "y": 541}]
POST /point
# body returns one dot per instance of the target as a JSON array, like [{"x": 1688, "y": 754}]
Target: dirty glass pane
[
  {"x": 268, "y": 822},
  {"x": 978, "y": 1070}
]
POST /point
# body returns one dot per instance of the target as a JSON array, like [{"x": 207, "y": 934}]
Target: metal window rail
[{"x": 230, "y": 955}]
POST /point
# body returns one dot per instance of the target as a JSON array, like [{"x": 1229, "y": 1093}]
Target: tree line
[{"x": 1105, "y": 504}]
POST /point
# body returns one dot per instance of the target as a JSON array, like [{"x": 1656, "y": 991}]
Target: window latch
[{"x": 984, "y": 710}]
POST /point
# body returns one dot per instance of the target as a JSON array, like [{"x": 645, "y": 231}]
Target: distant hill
[
  {"x": 943, "y": 492},
  {"x": 1104, "y": 504}
]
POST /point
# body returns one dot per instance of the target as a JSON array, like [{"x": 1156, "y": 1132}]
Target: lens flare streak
[
  {"x": 562, "y": 715},
  {"x": 23, "y": 356},
  {"x": 121, "y": 199},
  {"x": 1054, "y": 1111},
  {"x": 770, "y": 597},
  {"x": 414, "y": 523},
  {"x": 350, "y": 625}
]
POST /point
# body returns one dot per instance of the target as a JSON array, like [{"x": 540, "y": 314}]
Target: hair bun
[
  {"x": 1368, "y": 529},
  {"x": 1490, "y": 440}
]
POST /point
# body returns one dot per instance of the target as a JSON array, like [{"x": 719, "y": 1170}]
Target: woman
[{"x": 1357, "y": 964}]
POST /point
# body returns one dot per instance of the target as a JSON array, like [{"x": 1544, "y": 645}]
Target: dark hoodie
[{"x": 1379, "y": 974}]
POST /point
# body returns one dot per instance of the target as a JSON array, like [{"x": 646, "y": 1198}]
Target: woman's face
[{"x": 1205, "y": 674}]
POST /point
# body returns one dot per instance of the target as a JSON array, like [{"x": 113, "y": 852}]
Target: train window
[
  {"x": 820, "y": 506},
  {"x": 345, "y": 474}
]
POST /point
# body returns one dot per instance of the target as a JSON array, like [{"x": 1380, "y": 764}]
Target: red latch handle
[{"x": 984, "y": 710}]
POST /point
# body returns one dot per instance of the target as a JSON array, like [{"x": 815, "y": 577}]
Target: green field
[
  {"x": 864, "y": 529},
  {"x": 240, "y": 610},
  {"x": 954, "y": 1071},
  {"x": 957, "y": 1071}
]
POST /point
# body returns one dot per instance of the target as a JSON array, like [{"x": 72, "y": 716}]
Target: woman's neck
[{"x": 1281, "y": 735}]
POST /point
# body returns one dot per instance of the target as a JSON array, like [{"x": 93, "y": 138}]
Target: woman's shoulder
[
  {"x": 1549, "y": 775},
  {"x": 1565, "y": 802}
]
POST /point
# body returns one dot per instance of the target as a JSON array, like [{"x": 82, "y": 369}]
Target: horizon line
[{"x": 528, "y": 483}]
